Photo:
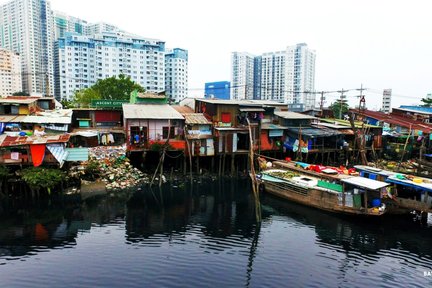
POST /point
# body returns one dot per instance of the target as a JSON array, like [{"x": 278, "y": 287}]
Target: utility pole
[
  {"x": 322, "y": 103},
  {"x": 342, "y": 100},
  {"x": 362, "y": 100}
]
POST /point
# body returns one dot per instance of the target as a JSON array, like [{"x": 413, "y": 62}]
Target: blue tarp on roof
[
  {"x": 417, "y": 108},
  {"x": 314, "y": 132}
]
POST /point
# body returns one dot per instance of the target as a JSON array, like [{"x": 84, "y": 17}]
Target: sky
[{"x": 378, "y": 44}]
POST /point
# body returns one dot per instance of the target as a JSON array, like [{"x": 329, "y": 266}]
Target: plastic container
[{"x": 376, "y": 202}]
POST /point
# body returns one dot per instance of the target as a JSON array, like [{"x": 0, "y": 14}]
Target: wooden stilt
[
  {"x": 232, "y": 164},
  {"x": 220, "y": 165}
]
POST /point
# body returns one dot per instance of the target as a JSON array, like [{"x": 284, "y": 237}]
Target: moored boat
[
  {"x": 352, "y": 195},
  {"x": 406, "y": 192}
]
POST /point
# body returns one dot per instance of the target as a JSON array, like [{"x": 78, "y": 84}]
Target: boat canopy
[{"x": 365, "y": 183}]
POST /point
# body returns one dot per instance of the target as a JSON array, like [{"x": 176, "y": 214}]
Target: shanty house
[{"x": 150, "y": 125}]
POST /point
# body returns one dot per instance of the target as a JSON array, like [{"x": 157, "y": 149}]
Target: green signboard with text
[{"x": 106, "y": 103}]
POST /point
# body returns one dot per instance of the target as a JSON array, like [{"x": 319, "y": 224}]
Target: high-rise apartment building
[
  {"x": 82, "y": 60},
  {"x": 386, "y": 102},
  {"x": 242, "y": 76},
  {"x": 300, "y": 68},
  {"x": 10, "y": 72},
  {"x": 286, "y": 76},
  {"x": 176, "y": 74},
  {"x": 65, "y": 23},
  {"x": 26, "y": 27},
  {"x": 273, "y": 81}
]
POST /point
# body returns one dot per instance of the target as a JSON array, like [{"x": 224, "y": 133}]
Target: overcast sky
[{"x": 380, "y": 43}]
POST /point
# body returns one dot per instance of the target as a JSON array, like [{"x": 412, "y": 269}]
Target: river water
[{"x": 205, "y": 235}]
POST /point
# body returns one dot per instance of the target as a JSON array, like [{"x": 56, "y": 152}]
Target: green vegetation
[
  {"x": 42, "y": 178},
  {"x": 427, "y": 102},
  {"x": 4, "y": 172},
  {"x": 20, "y": 93},
  {"x": 92, "y": 170},
  {"x": 110, "y": 88},
  {"x": 336, "y": 108}
]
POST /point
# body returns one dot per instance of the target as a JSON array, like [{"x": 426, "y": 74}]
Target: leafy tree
[
  {"x": 336, "y": 108},
  {"x": 4, "y": 172},
  {"x": 83, "y": 97},
  {"x": 20, "y": 93},
  {"x": 427, "y": 102},
  {"x": 116, "y": 88},
  {"x": 67, "y": 104}
]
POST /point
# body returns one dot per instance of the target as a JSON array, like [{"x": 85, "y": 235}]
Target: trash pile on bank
[{"x": 110, "y": 164}]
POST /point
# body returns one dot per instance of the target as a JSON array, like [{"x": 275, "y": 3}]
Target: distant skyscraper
[
  {"x": 10, "y": 72},
  {"x": 386, "y": 104},
  {"x": 176, "y": 74},
  {"x": 218, "y": 90},
  {"x": 26, "y": 27},
  {"x": 82, "y": 60},
  {"x": 65, "y": 23},
  {"x": 273, "y": 80},
  {"x": 300, "y": 75},
  {"x": 284, "y": 76},
  {"x": 242, "y": 76}
]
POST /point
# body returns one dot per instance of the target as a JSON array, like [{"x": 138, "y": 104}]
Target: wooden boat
[
  {"x": 350, "y": 197},
  {"x": 406, "y": 193}
]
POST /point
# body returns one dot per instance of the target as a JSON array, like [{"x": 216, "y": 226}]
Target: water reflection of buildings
[
  {"x": 360, "y": 236},
  {"x": 215, "y": 210},
  {"x": 30, "y": 228}
]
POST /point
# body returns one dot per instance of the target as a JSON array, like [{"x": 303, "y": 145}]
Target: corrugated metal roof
[
  {"x": 269, "y": 126},
  {"x": 358, "y": 124},
  {"x": 293, "y": 115},
  {"x": 16, "y": 101},
  {"x": 28, "y": 140},
  {"x": 257, "y": 109},
  {"x": 11, "y": 118},
  {"x": 196, "y": 118},
  {"x": 365, "y": 183},
  {"x": 396, "y": 120},
  {"x": 183, "y": 109},
  {"x": 416, "y": 109},
  {"x": 314, "y": 132},
  {"x": 150, "y": 111},
  {"x": 77, "y": 154},
  {"x": 47, "y": 120}
]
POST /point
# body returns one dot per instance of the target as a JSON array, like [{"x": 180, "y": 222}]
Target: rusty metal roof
[
  {"x": 183, "y": 109},
  {"x": 11, "y": 118},
  {"x": 8, "y": 141},
  {"x": 396, "y": 120},
  {"x": 17, "y": 101},
  {"x": 196, "y": 118}
]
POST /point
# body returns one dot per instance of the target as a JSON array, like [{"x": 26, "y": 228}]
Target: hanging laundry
[
  {"x": 15, "y": 155},
  {"x": 137, "y": 138},
  {"x": 104, "y": 139},
  {"x": 111, "y": 138},
  {"x": 37, "y": 153}
]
